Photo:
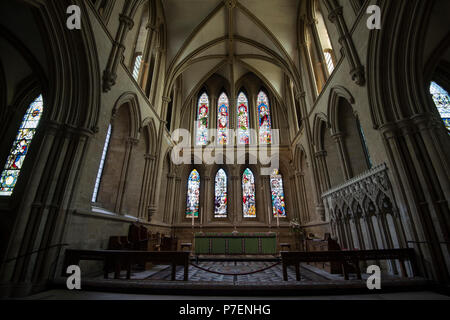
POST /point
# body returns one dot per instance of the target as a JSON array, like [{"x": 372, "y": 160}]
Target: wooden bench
[
  {"x": 346, "y": 257},
  {"x": 118, "y": 259}
]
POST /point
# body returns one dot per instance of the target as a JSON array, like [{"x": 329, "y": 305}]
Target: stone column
[
  {"x": 170, "y": 193},
  {"x": 130, "y": 143},
  {"x": 156, "y": 75},
  {"x": 143, "y": 202},
  {"x": 110, "y": 73},
  {"x": 343, "y": 155},
  {"x": 356, "y": 68},
  {"x": 236, "y": 199},
  {"x": 206, "y": 201},
  {"x": 266, "y": 202},
  {"x": 320, "y": 209},
  {"x": 146, "y": 76}
]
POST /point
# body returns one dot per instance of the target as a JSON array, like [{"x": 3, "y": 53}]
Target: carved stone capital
[
  {"x": 335, "y": 14},
  {"x": 109, "y": 80},
  {"x": 358, "y": 75},
  {"x": 126, "y": 20}
]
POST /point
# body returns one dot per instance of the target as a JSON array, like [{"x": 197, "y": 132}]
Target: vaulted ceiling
[{"x": 231, "y": 38}]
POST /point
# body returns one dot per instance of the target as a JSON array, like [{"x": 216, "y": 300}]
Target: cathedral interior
[{"x": 240, "y": 135}]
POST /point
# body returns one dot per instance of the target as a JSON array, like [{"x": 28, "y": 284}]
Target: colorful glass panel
[
  {"x": 441, "y": 99},
  {"x": 276, "y": 187},
  {"x": 21, "y": 146},
  {"x": 265, "y": 123},
  {"x": 193, "y": 194},
  {"x": 220, "y": 201},
  {"x": 202, "y": 120},
  {"x": 243, "y": 119},
  {"x": 222, "y": 119},
  {"x": 248, "y": 191}
]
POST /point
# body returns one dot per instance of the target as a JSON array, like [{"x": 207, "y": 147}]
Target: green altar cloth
[{"x": 236, "y": 243}]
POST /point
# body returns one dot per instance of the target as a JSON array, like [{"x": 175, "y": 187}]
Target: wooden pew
[
  {"x": 119, "y": 258},
  {"x": 344, "y": 257}
]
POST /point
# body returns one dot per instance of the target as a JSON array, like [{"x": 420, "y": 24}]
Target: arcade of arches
[{"x": 362, "y": 118}]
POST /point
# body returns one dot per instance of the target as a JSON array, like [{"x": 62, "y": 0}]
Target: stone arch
[
  {"x": 130, "y": 100},
  {"x": 337, "y": 93},
  {"x": 71, "y": 126}
]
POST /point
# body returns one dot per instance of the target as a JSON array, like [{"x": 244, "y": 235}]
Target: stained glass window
[
  {"x": 220, "y": 200},
  {"x": 102, "y": 164},
  {"x": 243, "y": 119},
  {"x": 137, "y": 66},
  {"x": 265, "y": 123},
  {"x": 202, "y": 120},
  {"x": 222, "y": 119},
  {"x": 20, "y": 146},
  {"x": 276, "y": 187},
  {"x": 441, "y": 99},
  {"x": 248, "y": 191},
  {"x": 193, "y": 194}
]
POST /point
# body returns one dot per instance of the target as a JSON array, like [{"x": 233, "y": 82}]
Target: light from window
[
  {"x": 329, "y": 61},
  {"x": 102, "y": 165},
  {"x": 137, "y": 67},
  {"x": 222, "y": 119},
  {"x": 276, "y": 187},
  {"x": 248, "y": 191},
  {"x": 202, "y": 120},
  {"x": 220, "y": 201},
  {"x": 193, "y": 195},
  {"x": 21, "y": 147},
  {"x": 441, "y": 99},
  {"x": 265, "y": 123},
  {"x": 243, "y": 119}
]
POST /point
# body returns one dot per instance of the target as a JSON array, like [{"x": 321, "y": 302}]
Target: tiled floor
[{"x": 273, "y": 273}]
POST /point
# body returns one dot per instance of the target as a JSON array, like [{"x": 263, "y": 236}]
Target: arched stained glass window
[
  {"x": 248, "y": 192},
  {"x": 193, "y": 195},
  {"x": 21, "y": 146},
  {"x": 441, "y": 99},
  {"x": 243, "y": 119},
  {"x": 222, "y": 119},
  {"x": 265, "y": 122},
  {"x": 102, "y": 164},
  {"x": 202, "y": 119},
  {"x": 221, "y": 199},
  {"x": 276, "y": 187}
]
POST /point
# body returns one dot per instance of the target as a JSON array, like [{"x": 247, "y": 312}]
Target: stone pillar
[
  {"x": 236, "y": 198},
  {"x": 130, "y": 143},
  {"x": 356, "y": 68},
  {"x": 320, "y": 209},
  {"x": 156, "y": 75},
  {"x": 145, "y": 77},
  {"x": 110, "y": 73},
  {"x": 148, "y": 174},
  {"x": 343, "y": 156},
  {"x": 170, "y": 193},
  {"x": 265, "y": 194},
  {"x": 206, "y": 201}
]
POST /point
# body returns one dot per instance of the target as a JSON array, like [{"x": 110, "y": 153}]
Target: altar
[{"x": 235, "y": 243}]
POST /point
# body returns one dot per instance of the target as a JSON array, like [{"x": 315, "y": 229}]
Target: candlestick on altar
[{"x": 278, "y": 221}]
